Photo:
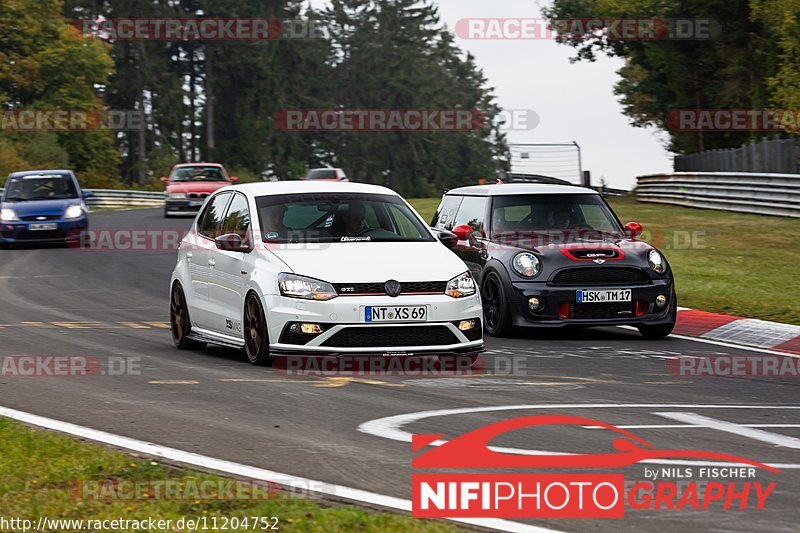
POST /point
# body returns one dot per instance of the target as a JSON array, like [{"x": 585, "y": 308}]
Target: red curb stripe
[
  {"x": 791, "y": 346},
  {"x": 696, "y": 323}
]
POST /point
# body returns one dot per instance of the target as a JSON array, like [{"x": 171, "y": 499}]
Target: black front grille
[
  {"x": 588, "y": 276},
  {"x": 409, "y": 287},
  {"x": 601, "y": 310},
  {"x": 373, "y": 336},
  {"x": 48, "y": 235},
  {"x": 39, "y": 218}
]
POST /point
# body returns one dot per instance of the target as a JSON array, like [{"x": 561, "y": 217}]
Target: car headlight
[
  {"x": 527, "y": 265},
  {"x": 461, "y": 286},
  {"x": 7, "y": 215},
  {"x": 73, "y": 211},
  {"x": 656, "y": 261},
  {"x": 293, "y": 286},
  {"x": 176, "y": 196}
]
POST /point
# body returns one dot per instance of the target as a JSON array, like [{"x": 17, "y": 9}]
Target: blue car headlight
[
  {"x": 73, "y": 211},
  {"x": 7, "y": 215}
]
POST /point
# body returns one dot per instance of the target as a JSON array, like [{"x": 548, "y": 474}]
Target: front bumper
[
  {"x": 346, "y": 332},
  {"x": 187, "y": 206},
  {"x": 591, "y": 314},
  {"x": 66, "y": 230}
]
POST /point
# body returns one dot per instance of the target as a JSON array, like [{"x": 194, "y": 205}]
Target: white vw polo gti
[{"x": 311, "y": 268}]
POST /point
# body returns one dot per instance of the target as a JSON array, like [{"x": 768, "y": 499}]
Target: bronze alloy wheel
[
  {"x": 179, "y": 323},
  {"x": 256, "y": 340}
]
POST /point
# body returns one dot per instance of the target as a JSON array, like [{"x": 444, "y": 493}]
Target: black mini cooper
[{"x": 557, "y": 255}]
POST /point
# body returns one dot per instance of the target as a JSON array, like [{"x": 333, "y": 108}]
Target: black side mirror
[
  {"x": 232, "y": 242},
  {"x": 448, "y": 238}
]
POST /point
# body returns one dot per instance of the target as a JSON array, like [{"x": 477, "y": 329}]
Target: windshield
[
  {"x": 553, "y": 213},
  {"x": 322, "y": 174},
  {"x": 197, "y": 174},
  {"x": 40, "y": 187},
  {"x": 339, "y": 217}
]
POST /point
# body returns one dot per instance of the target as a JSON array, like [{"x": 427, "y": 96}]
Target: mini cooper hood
[
  {"x": 583, "y": 248},
  {"x": 41, "y": 207},
  {"x": 195, "y": 186},
  {"x": 372, "y": 262}
]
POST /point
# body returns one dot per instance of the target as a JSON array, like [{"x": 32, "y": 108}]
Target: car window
[
  {"x": 238, "y": 218},
  {"x": 595, "y": 216},
  {"x": 338, "y": 217},
  {"x": 40, "y": 187},
  {"x": 552, "y": 212},
  {"x": 471, "y": 213},
  {"x": 443, "y": 219},
  {"x": 198, "y": 174},
  {"x": 323, "y": 174},
  {"x": 210, "y": 221}
]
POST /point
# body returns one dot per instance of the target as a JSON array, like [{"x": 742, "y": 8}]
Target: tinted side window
[
  {"x": 472, "y": 213},
  {"x": 210, "y": 221},
  {"x": 443, "y": 219},
  {"x": 238, "y": 219}
]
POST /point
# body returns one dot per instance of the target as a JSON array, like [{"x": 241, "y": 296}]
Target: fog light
[
  {"x": 661, "y": 300},
  {"x": 311, "y": 329},
  {"x": 533, "y": 304},
  {"x": 466, "y": 325},
  {"x": 563, "y": 310}
]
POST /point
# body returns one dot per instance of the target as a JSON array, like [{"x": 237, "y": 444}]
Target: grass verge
[
  {"x": 40, "y": 471},
  {"x": 732, "y": 263}
]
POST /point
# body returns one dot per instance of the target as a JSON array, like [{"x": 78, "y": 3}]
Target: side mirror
[
  {"x": 87, "y": 194},
  {"x": 233, "y": 178},
  {"x": 633, "y": 229},
  {"x": 462, "y": 232},
  {"x": 232, "y": 242},
  {"x": 448, "y": 238},
  {"x": 165, "y": 180}
]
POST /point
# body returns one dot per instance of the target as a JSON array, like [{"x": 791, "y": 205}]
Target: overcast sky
[{"x": 574, "y": 101}]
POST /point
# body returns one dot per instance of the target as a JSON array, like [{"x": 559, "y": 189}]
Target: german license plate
[
  {"x": 42, "y": 227},
  {"x": 605, "y": 295},
  {"x": 418, "y": 313}
]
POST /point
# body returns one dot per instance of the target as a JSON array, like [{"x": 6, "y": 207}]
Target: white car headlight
[
  {"x": 656, "y": 261},
  {"x": 527, "y": 265},
  {"x": 293, "y": 286},
  {"x": 461, "y": 286},
  {"x": 7, "y": 215},
  {"x": 73, "y": 211},
  {"x": 176, "y": 195}
]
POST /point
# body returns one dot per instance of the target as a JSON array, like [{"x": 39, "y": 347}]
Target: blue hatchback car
[{"x": 42, "y": 206}]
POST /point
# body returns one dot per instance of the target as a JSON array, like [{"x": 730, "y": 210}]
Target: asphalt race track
[{"x": 114, "y": 304}]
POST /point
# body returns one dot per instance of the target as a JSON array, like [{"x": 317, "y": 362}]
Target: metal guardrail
[
  {"x": 762, "y": 194},
  {"x": 116, "y": 198}
]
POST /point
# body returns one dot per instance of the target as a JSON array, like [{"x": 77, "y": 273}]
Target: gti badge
[{"x": 599, "y": 261}]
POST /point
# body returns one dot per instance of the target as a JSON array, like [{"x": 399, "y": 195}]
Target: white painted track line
[
  {"x": 250, "y": 472},
  {"x": 736, "y": 429}
]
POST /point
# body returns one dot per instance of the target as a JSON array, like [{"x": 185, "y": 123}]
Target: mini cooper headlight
[
  {"x": 656, "y": 261},
  {"x": 527, "y": 265},
  {"x": 73, "y": 211},
  {"x": 7, "y": 215},
  {"x": 293, "y": 286},
  {"x": 461, "y": 286}
]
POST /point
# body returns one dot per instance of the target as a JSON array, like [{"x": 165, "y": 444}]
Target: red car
[{"x": 189, "y": 184}]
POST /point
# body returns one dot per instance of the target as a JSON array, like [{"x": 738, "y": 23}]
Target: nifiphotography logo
[{"x": 574, "y": 495}]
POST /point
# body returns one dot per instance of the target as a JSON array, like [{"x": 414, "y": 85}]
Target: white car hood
[{"x": 370, "y": 262}]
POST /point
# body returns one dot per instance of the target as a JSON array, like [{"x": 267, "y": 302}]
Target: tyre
[
  {"x": 496, "y": 314},
  {"x": 179, "y": 323},
  {"x": 256, "y": 339},
  {"x": 663, "y": 330}
]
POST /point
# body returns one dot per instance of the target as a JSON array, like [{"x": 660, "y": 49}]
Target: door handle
[{"x": 188, "y": 257}]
